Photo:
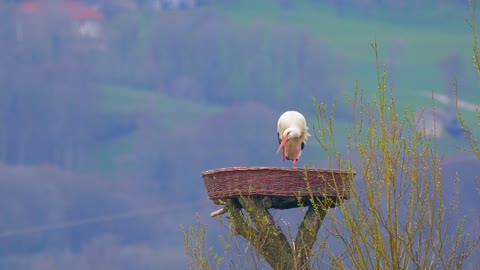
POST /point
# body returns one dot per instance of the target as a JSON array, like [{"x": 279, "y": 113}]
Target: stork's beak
[{"x": 282, "y": 144}]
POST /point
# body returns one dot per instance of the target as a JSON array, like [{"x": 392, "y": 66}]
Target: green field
[
  {"x": 121, "y": 99},
  {"x": 410, "y": 48}
]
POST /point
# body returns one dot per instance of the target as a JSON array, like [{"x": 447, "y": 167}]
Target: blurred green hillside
[
  {"x": 412, "y": 45},
  {"x": 283, "y": 56},
  {"x": 127, "y": 121}
]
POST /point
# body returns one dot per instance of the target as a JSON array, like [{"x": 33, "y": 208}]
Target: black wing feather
[
  {"x": 278, "y": 137},
  {"x": 303, "y": 145}
]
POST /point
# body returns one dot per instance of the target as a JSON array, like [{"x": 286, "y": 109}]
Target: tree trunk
[{"x": 260, "y": 229}]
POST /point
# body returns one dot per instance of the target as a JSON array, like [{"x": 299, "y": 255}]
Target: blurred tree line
[
  {"x": 52, "y": 111},
  {"x": 57, "y": 126}
]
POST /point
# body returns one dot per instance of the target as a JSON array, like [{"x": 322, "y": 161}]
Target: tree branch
[
  {"x": 307, "y": 235},
  {"x": 267, "y": 237},
  {"x": 261, "y": 230}
]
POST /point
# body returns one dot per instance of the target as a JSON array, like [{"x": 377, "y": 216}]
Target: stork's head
[{"x": 291, "y": 132}]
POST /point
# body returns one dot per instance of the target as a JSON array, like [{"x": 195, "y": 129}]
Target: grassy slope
[
  {"x": 421, "y": 45},
  {"x": 122, "y": 100},
  {"x": 420, "y": 41}
]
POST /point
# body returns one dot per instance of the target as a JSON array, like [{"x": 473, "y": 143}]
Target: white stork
[{"x": 292, "y": 132}]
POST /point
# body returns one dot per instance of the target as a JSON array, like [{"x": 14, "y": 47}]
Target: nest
[{"x": 285, "y": 186}]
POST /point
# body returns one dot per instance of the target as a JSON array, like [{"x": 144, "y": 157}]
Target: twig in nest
[{"x": 219, "y": 212}]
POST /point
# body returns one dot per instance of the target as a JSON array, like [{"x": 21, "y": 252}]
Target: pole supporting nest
[{"x": 257, "y": 189}]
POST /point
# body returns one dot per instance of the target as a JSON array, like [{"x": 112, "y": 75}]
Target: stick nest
[{"x": 285, "y": 187}]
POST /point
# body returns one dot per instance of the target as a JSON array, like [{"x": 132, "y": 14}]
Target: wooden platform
[{"x": 279, "y": 187}]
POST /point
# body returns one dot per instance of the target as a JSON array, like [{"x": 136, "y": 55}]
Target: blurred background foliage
[{"x": 124, "y": 119}]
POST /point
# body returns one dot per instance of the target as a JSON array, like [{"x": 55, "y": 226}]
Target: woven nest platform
[{"x": 285, "y": 187}]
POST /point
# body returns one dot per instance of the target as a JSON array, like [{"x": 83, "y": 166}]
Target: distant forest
[
  {"x": 128, "y": 119},
  {"x": 73, "y": 144},
  {"x": 51, "y": 107}
]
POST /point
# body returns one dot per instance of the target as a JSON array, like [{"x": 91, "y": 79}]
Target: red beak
[{"x": 282, "y": 144}]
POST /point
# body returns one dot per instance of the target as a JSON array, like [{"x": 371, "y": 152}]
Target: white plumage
[{"x": 292, "y": 134}]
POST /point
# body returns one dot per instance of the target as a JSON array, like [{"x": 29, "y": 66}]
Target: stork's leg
[
  {"x": 283, "y": 155},
  {"x": 295, "y": 157}
]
